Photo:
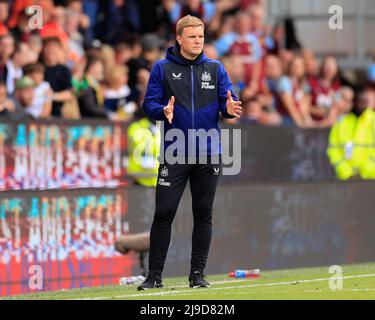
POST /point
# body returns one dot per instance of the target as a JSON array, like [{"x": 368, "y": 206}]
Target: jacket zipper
[
  {"x": 192, "y": 95},
  {"x": 192, "y": 138}
]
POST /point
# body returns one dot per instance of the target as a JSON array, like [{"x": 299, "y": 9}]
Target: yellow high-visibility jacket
[
  {"x": 341, "y": 144},
  {"x": 364, "y": 144},
  {"x": 143, "y": 147}
]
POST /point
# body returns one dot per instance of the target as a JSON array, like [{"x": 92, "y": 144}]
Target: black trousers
[{"x": 172, "y": 180}]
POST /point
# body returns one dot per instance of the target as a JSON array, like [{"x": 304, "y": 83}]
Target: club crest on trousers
[{"x": 164, "y": 172}]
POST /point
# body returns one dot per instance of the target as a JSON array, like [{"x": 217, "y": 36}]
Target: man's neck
[{"x": 187, "y": 55}]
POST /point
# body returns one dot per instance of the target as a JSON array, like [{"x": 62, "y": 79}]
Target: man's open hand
[
  {"x": 233, "y": 107},
  {"x": 168, "y": 110}
]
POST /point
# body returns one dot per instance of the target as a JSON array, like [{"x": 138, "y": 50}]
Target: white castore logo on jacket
[{"x": 176, "y": 76}]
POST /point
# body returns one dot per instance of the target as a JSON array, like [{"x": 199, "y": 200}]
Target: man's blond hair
[{"x": 188, "y": 21}]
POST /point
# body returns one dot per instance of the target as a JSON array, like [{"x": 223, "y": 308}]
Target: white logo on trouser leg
[{"x": 164, "y": 183}]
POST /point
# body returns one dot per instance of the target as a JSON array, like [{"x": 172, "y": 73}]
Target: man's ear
[{"x": 179, "y": 38}]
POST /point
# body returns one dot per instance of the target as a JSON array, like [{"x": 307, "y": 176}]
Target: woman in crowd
[
  {"x": 90, "y": 92},
  {"x": 117, "y": 92},
  {"x": 323, "y": 91},
  {"x": 301, "y": 92}
]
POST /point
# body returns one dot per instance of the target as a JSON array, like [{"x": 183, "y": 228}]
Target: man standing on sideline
[{"x": 186, "y": 90}]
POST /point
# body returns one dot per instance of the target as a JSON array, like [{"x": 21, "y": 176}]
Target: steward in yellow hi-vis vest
[
  {"x": 143, "y": 147},
  {"x": 364, "y": 144},
  {"x": 340, "y": 149}
]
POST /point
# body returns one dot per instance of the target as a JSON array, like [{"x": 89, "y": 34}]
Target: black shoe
[
  {"x": 198, "y": 280},
  {"x": 150, "y": 283}
]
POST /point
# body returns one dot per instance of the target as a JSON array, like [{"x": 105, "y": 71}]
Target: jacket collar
[{"x": 174, "y": 55}]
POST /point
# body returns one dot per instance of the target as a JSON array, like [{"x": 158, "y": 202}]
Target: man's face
[
  {"x": 257, "y": 16},
  {"x": 297, "y": 68},
  {"x": 72, "y": 22},
  {"x": 59, "y": 16},
  {"x": 22, "y": 56},
  {"x": 97, "y": 71},
  {"x": 4, "y": 11},
  {"x": 37, "y": 76},
  {"x": 6, "y": 47},
  {"x": 253, "y": 109},
  {"x": 193, "y": 4},
  {"x": 210, "y": 51},
  {"x": 152, "y": 55},
  {"x": 25, "y": 96},
  {"x": 123, "y": 55},
  {"x": 330, "y": 68},
  {"x": 191, "y": 41},
  {"x": 76, "y": 6},
  {"x": 243, "y": 24},
  {"x": 367, "y": 100},
  {"x": 235, "y": 68},
  {"x": 273, "y": 67},
  {"x": 52, "y": 53},
  {"x": 346, "y": 101}
]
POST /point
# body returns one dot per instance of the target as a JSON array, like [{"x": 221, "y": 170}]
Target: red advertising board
[
  {"x": 65, "y": 237},
  {"x": 40, "y": 155}
]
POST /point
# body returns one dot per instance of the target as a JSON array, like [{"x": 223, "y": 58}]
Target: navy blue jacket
[{"x": 200, "y": 90}]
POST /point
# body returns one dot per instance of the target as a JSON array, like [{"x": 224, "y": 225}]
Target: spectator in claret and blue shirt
[
  {"x": 277, "y": 91},
  {"x": 245, "y": 44}
]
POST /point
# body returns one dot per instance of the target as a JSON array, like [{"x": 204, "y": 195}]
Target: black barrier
[
  {"x": 273, "y": 226},
  {"x": 70, "y": 234},
  {"x": 282, "y": 154},
  {"x": 61, "y": 239}
]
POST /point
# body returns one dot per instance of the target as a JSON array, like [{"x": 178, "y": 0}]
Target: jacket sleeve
[
  {"x": 224, "y": 85},
  {"x": 153, "y": 102}
]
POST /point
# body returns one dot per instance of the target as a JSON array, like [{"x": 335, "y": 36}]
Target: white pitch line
[
  {"x": 299, "y": 291},
  {"x": 224, "y": 288},
  {"x": 308, "y": 291}
]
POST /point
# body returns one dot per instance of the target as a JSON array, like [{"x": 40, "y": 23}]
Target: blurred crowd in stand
[{"x": 92, "y": 59}]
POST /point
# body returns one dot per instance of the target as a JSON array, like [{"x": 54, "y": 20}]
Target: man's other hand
[{"x": 233, "y": 107}]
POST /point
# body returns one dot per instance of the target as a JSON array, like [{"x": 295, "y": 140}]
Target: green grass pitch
[{"x": 358, "y": 282}]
